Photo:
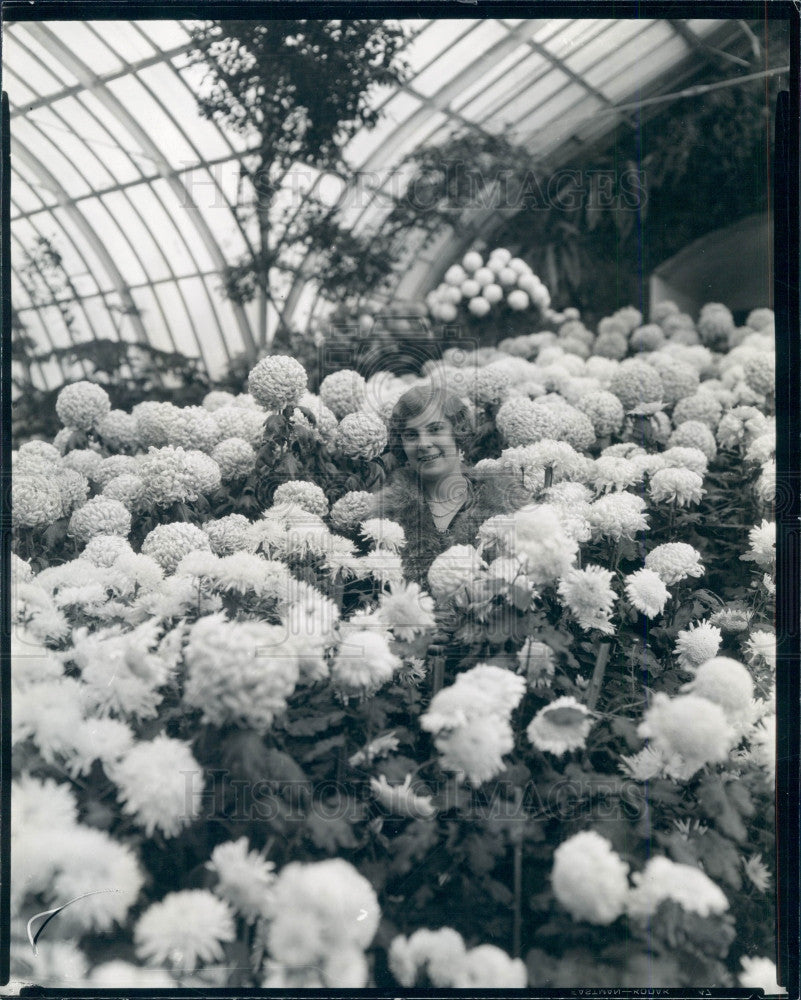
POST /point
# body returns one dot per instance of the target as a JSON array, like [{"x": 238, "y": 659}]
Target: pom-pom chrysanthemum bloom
[
  {"x": 240, "y": 423},
  {"x": 244, "y": 878},
  {"x": 35, "y": 501},
  {"x": 696, "y": 644},
  {"x": 674, "y": 562},
  {"x": 686, "y": 885},
  {"x": 489, "y": 384},
  {"x": 239, "y": 672},
  {"x": 229, "y": 534},
  {"x": 522, "y": 421},
  {"x": 618, "y": 515},
  {"x": 454, "y": 570},
  {"x": 611, "y": 344},
  {"x": 475, "y": 751},
  {"x": 647, "y": 338},
  {"x": 536, "y": 535},
  {"x": 40, "y": 449},
  {"x": 488, "y": 967},
  {"x": 647, "y": 592},
  {"x": 561, "y": 727},
  {"x": 129, "y": 490},
  {"x": 406, "y": 610},
  {"x": 343, "y": 392},
  {"x": 435, "y": 955},
  {"x": 762, "y": 539},
  {"x": 82, "y": 404},
  {"x": 694, "y": 434},
  {"x": 762, "y": 448},
  {"x": 305, "y": 494},
  {"x": 184, "y": 929},
  {"x": 160, "y": 784},
  {"x": 761, "y": 648},
  {"x": 83, "y": 460},
  {"x": 727, "y": 683},
  {"x": 610, "y": 473},
  {"x": 361, "y": 435},
  {"x": 173, "y": 474},
  {"x": 681, "y": 487},
  {"x": 235, "y": 458},
  {"x": 115, "y": 465},
  {"x": 588, "y": 594},
  {"x": 688, "y": 732},
  {"x": 685, "y": 458},
  {"x": 99, "y": 516},
  {"x": 702, "y": 406},
  {"x": 715, "y": 325},
  {"x": 536, "y": 660},
  {"x": 350, "y": 509},
  {"x": 402, "y": 800},
  {"x": 589, "y": 879},
  {"x": 363, "y": 662},
  {"x": 679, "y": 379},
  {"x": 169, "y": 543},
  {"x": 215, "y": 399},
  {"x": 638, "y": 387},
  {"x": 277, "y": 381},
  {"x": 319, "y": 910}
]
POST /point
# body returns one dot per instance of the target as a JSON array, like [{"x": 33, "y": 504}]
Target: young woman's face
[{"x": 430, "y": 445}]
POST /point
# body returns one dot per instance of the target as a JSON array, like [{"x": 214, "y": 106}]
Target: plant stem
[
  {"x": 517, "y": 858},
  {"x": 438, "y": 674},
  {"x": 601, "y": 659}
]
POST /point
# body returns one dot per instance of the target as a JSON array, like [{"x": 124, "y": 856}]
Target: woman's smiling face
[{"x": 430, "y": 445}]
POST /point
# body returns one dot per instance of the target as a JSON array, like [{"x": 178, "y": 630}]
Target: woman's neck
[{"x": 451, "y": 487}]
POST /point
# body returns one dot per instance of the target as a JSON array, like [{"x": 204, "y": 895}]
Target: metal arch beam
[
  {"x": 92, "y": 83},
  {"x": 42, "y": 324},
  {"x": 37, "y": 167}
]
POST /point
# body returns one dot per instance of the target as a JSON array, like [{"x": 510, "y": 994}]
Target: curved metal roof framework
[{"x": 112, "y": 163}]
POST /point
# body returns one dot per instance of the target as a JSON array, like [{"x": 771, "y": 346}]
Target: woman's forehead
[{"x": 432, "y": 413}]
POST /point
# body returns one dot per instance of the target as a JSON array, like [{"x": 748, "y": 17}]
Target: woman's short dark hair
[{"x": 419, "y": 400}]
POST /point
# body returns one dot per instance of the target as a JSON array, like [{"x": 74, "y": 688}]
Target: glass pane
[
  {"x": 19, "y": 95},
  {"x": 147, "y": 110},
  {"x": 542, "y": 95},
  {"x": 85, "y": 42},
  {"x": 162, "y": 227},
  {"x": 203, "y": 316},
  {"x": 527, "y": 73},
  {"x": 32, "y": 64},
  {"x": 164, "y": 34},
  {"x": 458, "y": 57},
  {"x": 51, "y": 162},
  {"x": 607, "y": 43},
  {"x": 115, "y": 240},
  {"x": 366, "y": 142},
  {"x": 146, "y": 301},
  {"x": 193, "y": 235},
  {"x": 125, "y": 40},
  {"x": 433, "y": 40},
  {"x": 122, "y": 156},
  {"x": 501, "y": 75}
]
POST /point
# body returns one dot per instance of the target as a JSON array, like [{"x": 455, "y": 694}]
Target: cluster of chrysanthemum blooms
[{"x": 699, "y": 386}]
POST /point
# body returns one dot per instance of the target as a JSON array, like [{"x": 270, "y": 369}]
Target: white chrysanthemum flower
[
  {"x": 765, "y": 486},
  {"x": 647, "y": 592},
  {"x": 216, "y": 398},
  {"x": 726, "y": 683},
  {"x": 674, "y": 562},
  {"x": 522, "y": 421},
  {"x": 643, "y": 766},
  {"x": 689, "y": 732},
  {"x": 305, "y": 494},
  {"x": 610, "y": 473},
  {"x": 128, "y": 489},
  {"x": 715, "y": 325},
  {"x": 318, "y": 910},
  {"x": 762, "y": 742},
  {"x": 406, "y": 610},
  {"x": 702, "y": 406},
  {"x": 235, "y": 458},
  {"x": 35, "y": 500},
  {"x": 759, "y": 371},
  {"x": 184, "y": 929},
  {"x": 74, "y": 489},
  {"x": 561, "y": 727},
  {"x": 230, "y": 534},
  {"x": 475, "y": 751},
  {"x": 535, "y": 534},
  {"x": 536, "y": 660},
  {"x": 589, "y": 879},
  {"x": 530, "y": 462},
  {"x": 99, "y": 516},
  {"x": 618, "y": 515},
  {"x": 686, "y": 885},
  {"x": 488, "y": 967},
  {"x": 381, "y": 564},
  {"x": 93, "y": 860},
  {"x": 384, "y": 534},
  {"x": 694, "y": 434},
  {"x": 83, "y": 460},
  {"x": 760, "y": 974},
  {"x": 49, "y": 713},
  {"x": 350, "y": 509},
  {"x": 244, "y": 878},
  {"x": 762, "y": 539},
  {"x": 277, "y": 381},
  {"x": 679, "y": 379},
  {"x": 240, "y": 423},
  {"x": 488, "y": 385},
  {"x": 761, "y": 647},
  {"x": 363, "y": 661},
  {"x": 122, "y": 672},
  {"x": 361, "y": 435},
  {"x": 343, "y": 392},
  {"x": 402, "y": 800},
  {"x": 638, "y": 387},
  {"x": 454, "y": 570},
  {"x": 169, "y": 543},
  {"x": 106, "y": 740},
  {"x": 692, "y": 459},
  {"x": 238, "y": 672},
  {"x": 611, "y": 344},
  {"x": 434, "y": 954},
  {"x": 82, "y": 404},
  {"x": 741, "y": 425},
  {"x": 323, "y": 424},
  {"x": 732, "y": 619},
  {"x": 192, "y": 428},
  {"x": 160, "y": 784},
  {"x": 118, "y": 430},
  {"x": 173, "y": 474},
  {"x": 119, "y": 975},
  {"x": 697, "y": 644},
  {"x": 589, "y": 596},
  {"x": 31, "y": 661},
  {"x": 647, "y": 338}
]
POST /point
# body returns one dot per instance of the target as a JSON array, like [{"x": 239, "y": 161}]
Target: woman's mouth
[{"x": 423, "y": 459}]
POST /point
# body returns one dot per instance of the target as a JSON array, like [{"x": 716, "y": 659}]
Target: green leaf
[{"x": 309, "y": 725}]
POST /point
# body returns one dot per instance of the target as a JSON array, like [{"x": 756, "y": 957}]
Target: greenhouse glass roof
[{"x": 112, "y": 163}]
